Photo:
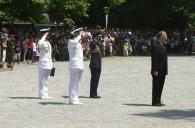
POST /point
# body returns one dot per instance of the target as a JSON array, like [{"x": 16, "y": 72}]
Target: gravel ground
[{"x": 125, "y": 86}]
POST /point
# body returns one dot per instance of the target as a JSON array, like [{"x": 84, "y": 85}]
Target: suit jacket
[
  {"x": 95, "y": 61},
  {"x": 45, "y": 59},
  {"x": 159, "y": 59},
  {"x": 75, "y": 53}
]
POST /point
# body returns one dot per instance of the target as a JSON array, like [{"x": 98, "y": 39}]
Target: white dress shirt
[
  {"x": 75, "y": 53},
  {"x": 45, "y": 59}
]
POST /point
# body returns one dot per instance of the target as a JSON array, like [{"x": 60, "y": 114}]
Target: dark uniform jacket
[
  {"x": 95, "y": 55},
  {"x": 159, "y": 59}
]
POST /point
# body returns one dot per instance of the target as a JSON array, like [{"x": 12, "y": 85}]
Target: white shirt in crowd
[{"x": 34, "y": 47}]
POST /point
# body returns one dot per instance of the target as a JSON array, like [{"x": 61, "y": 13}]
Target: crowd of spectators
[{"x": 113, "y": 42}]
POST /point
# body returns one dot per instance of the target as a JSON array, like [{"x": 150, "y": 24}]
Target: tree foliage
[
  {"x": 122, "y": 13},
  {"x": 114, "y": 3},
  {"x": 28, "y": 10},
  {"x": 154, "y": 14},
  {"x": 68, "y": 11},
  {"x": 59, "y": 11}
]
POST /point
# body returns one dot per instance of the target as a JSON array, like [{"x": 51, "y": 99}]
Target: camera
[{"x": 87, "y": 35}]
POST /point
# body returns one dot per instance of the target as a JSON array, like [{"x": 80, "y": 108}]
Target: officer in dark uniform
[{"x": 95, "y": 65}]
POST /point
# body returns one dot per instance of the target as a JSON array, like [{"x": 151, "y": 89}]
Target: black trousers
[
  {"x": 157, "y": 88},
  {"x": 95, "y": 76}
]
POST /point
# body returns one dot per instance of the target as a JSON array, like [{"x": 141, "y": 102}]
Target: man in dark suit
[
  {"x": 95, "y": 66},
  {"x": 159, "y": 67}
]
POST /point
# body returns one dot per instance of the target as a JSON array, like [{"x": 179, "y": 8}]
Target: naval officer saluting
[
  {"x": 45, "y": 63},
  {"x": 76, "y": 65}
]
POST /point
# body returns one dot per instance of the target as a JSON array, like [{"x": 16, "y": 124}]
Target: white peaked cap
[
  {"x": 77, "y": 30},
  {"x": 45, "y": 29}
]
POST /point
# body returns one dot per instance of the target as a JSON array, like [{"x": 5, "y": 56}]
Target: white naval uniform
[
  {"x": 76, "y": 66},
  {"x": 45, "y": 66}
]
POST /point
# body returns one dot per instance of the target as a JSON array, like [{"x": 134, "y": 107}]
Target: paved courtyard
[{"x": 125, "y": 86}]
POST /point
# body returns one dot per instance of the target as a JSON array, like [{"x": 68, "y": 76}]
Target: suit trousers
[
  {"x": 157, "y": 88},
  {"x": 74, "y": 85},
  {"x": 43, "y": 82},
  {"x": 95, "y": 76}
]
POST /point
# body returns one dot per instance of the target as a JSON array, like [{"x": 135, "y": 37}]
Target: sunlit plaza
[{"x": 125, "y": 86}]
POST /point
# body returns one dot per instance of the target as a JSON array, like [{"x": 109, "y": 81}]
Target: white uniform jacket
[
  {"x": 45, "y": 59},
  {"x": 75, "y": 53}
]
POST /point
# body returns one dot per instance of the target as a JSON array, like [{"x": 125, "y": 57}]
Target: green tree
[
  {"x": 174, "y": 14},
  {"x": 4, "y": 15},
  {"x": 114, "y": 3},
  {"x": 123, "y": 13},
  {"x": 23, "y": 10},
  {"x": 68, "y": 12}
]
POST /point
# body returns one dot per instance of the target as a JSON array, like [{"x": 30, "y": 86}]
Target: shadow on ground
[
  {"x": 23, "y": 97},
  {"x": 137, "y": 104},
  {"x": 66, "y": 97},
  {"x": 171, "y": 114},
  {"x": 4, "y": 70},
  {"x": 52, "y": 103}
]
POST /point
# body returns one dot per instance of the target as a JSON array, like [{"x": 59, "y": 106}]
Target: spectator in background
[
  {"x": 17, "y": 45},
  {"x": 29, "y": 50},
  {"x": 25, "y": 49},
  {"x": 34, "y": 52},
  {"x": 10, "y": 52},
  {"x": 4, "y": 50},
  {"x": 4, "y": 39}
]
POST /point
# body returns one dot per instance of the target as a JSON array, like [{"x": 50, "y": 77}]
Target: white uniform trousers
[
  {"x": 43, "y": 79},
  {"x": 74, "y": 85},
  {"x": 4, "y": 55}
]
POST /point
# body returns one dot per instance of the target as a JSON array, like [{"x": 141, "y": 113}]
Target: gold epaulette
[{"x": 97, "y": 50}]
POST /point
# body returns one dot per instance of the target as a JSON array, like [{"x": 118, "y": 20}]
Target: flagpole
[{"x": 106, "y": 11}]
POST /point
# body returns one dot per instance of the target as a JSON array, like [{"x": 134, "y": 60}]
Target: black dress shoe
[
  {"x": 158, "y": 104},
  {"x": 97, "y": 97},
  {"x": 161, "y": 104}
]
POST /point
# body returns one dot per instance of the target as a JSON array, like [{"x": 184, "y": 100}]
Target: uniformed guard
[{"x": 95, "y": 65}]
